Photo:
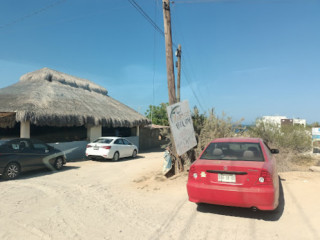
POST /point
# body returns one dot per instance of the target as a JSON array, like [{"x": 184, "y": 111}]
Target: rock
[{"x": 314, "y": 169}]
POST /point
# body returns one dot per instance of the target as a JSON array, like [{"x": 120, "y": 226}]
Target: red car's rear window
[{"x": 234, "y": 151}]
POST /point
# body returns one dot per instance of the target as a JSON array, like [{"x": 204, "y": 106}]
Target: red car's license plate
[{"x": 229, "y": 178}]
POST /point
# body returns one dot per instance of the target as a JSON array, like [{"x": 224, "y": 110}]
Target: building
[
  {"x": 283, "y": 120},
  {"x": 273, "y": 119},
  {"x": 50, "y": 104}
]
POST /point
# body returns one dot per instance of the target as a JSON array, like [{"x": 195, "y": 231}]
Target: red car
[{"x": 238, "y": 172}]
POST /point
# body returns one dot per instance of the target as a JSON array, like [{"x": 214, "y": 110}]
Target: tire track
[
  {"x": 161, "y": 230},
  {"x": 306, "y": 220},
  {"x": 188, "y": 225}
]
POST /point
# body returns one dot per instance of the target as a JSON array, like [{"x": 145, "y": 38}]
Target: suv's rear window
[
  {"x": 233, "y": 151},
  {"x": 3, "y": 142}
]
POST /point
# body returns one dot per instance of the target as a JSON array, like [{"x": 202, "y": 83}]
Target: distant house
[
  {"x": 53, "y": 105},
  {"x": 298, "y": 121},
  {"x": 273, "y": 119},
  {"x": 283, "y": 120}
]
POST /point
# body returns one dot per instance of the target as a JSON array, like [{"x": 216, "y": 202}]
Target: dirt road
[{"x": 130, "y": 200}]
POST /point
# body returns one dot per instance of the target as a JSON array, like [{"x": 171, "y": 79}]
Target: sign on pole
[
  {"x": 181, "y": 126},
  {"x": 315, "y": 133}
]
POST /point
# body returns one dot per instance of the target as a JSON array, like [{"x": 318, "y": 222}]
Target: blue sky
[{"x": 248, "y": 58}]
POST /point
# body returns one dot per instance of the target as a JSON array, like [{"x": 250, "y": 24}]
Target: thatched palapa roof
[{"x": 50, "y": 98}]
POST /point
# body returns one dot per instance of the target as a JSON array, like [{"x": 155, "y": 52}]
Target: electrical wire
[
  {"x": 186, "y": 75},
  {"x": 145, "y": 15},
  {"x": 21, "y": 19},
  {"x": 149, "y": 19},
  {"x": 185, "y": 56}
]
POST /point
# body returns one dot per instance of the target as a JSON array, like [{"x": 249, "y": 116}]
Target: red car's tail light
[
  {"x": 192, "y": 173},
  {"x": 265, "y": 178},
  {"x": 89, "y": 146},
  {"x": 106, "y": 147}
]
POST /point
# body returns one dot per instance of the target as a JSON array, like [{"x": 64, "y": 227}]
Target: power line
[
  {"x": 149, "y": 19},
  {"x": 21, "y": 19},
  {"x": 185, "y": 63},
  {"x": 186, "y": 75},
  {"x": 158, "y": 29},
  {"x": 146, "y": 16}
]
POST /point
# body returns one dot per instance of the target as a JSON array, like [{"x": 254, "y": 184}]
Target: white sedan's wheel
[
  {"x": 115, "y": 156},
  {"x": 134, "y": 154}
]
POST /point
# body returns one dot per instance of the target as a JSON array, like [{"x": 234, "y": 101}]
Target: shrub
[{"x": 291, "y": 137}]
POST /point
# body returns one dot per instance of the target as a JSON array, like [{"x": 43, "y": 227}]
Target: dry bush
[
  {"x": 218, "y": 127},
  {"x": 291, "y": 137},
  {"x": 293, "y": 161},
  {"x": 292, "y": 141},
  {"x": 284, "y": 160}
]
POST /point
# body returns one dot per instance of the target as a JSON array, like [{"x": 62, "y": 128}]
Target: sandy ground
[{"x": 131, "y": 200}]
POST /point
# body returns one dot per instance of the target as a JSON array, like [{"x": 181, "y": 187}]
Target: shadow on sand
[{"x": 40, "y": 173}]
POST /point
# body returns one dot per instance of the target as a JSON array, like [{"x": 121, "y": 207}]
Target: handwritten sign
[{"x": 181, "y": 126}]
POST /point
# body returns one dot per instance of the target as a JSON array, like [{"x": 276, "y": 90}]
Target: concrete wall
[
  {"x": 134, "y": 140},
  {"x": 150, "y": 138}
]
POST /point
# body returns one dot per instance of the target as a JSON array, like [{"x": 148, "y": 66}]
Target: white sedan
[{"x": 111, "y": 148}]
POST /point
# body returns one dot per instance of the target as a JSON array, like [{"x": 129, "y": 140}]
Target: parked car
[
  {"x": 111, "y": 148},
  {"x": 20, "y": 155},
  {"x": 237, "y": 172}
]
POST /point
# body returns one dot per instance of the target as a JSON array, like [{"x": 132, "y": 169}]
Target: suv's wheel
[
  {"x": 11, "y": 171},
  {"x": 58, "y": 164},
  {"x": 115, "y": 156},
  {"x": 134, "y": 154}
]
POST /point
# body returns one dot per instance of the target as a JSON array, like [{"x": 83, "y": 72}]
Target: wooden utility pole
[
  {"x": 169, "y": 53},
  {"x": 178, "y": 166},
  {"x": 178, "y": 55}
]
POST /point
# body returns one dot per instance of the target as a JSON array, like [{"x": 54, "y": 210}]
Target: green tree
[{"x": 158, "y": 114}]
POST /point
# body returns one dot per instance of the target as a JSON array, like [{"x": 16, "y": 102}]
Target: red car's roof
[{"x": 238, "y": 139}]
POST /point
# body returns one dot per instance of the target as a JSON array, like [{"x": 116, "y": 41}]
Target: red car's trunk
[{"x": 224, "y": 172}]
